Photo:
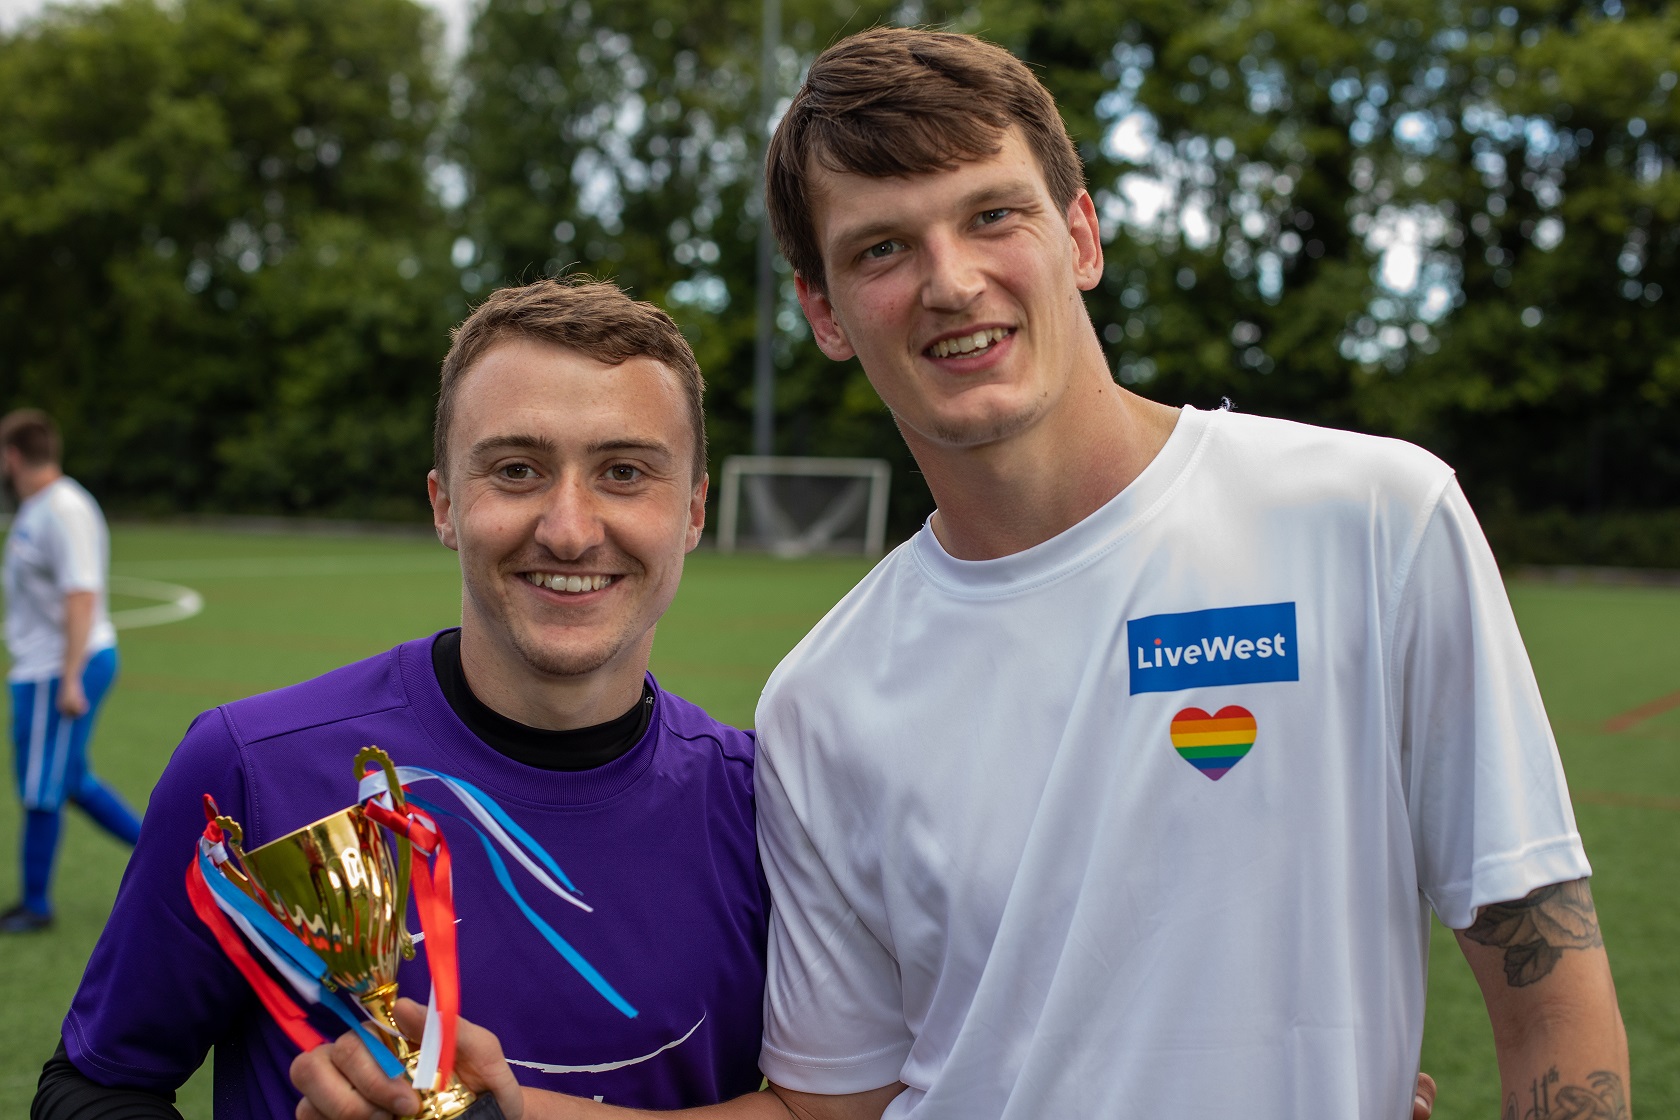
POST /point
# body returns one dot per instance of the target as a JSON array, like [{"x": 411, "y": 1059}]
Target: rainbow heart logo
[{"x": 1213, "y": 744}]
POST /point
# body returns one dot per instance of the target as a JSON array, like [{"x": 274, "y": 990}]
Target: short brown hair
[
  {"x": 595, "y": 318},
  {"x": 897, "y": 101},
  {"x": 34, "y": 435}
]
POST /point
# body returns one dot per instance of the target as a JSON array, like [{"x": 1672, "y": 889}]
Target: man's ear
[
  {"x": 697, "y": 512},
  {"x": 825, "y": 328},
  {"x": 1086, "y": 232},
  {"x": 438, "y": 493}
]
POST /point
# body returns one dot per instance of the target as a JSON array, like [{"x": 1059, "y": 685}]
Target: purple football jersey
[{"x": 659, "y": 842}]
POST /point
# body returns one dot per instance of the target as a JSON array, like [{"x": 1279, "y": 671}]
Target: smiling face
[
  {"x": 569, "y": 495},
  {"x": 958, "y": 291}
]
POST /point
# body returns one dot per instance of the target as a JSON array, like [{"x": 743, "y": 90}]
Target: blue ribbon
[{"x": 559, "y": 944}]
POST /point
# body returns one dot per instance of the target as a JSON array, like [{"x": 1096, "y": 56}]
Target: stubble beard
[
  {"x": 978, "y": 433},
  {"x": 561, "y": 663}
]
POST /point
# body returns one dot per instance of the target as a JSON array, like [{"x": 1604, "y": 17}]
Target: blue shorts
[{"x": 50, "y": 752}]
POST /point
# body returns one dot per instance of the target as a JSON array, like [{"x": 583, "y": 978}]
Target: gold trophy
[{"x": 335, "y": 885}]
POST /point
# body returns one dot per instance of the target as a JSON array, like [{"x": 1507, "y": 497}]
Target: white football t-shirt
[
  {"x": 1147, "y": 820},
  {"x": 57, "y": 544}
]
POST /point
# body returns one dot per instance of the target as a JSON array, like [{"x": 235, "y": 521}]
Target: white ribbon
[
  {"x": 374, "y": 784},
  {"x": 431, "y": 1047}
]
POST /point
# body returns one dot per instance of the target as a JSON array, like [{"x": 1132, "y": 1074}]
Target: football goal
[{"x": 793, "y": 506}]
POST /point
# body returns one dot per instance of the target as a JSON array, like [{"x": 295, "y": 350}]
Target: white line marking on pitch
[{"x": 175, "y": 602}]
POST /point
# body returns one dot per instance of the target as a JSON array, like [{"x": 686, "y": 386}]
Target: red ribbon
[
  {"x": 434, "y": 899},
  {"x": 286, "y": 1012}
]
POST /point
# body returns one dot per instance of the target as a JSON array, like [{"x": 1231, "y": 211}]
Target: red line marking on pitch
[{"x": 1635, "y": 716}]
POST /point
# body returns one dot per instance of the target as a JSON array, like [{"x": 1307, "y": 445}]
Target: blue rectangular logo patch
[{"x": 1199, "y": 649}]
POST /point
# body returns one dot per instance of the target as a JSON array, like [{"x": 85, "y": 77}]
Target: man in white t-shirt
[
  {"x": 1126, "y": 787},
  {"x": 64, "y": 654}
]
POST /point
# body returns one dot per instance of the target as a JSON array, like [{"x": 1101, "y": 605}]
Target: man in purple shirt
[{"x": 570, "y": 477}]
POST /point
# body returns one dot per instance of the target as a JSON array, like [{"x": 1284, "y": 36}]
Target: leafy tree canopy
[
  {"x": 227, "y": 266},
  {"x": 1453, "y": 222},
  {"x": 225, "y": 272}
]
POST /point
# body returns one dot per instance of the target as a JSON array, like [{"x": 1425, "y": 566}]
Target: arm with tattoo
[{"x": 1545, "y": 978}]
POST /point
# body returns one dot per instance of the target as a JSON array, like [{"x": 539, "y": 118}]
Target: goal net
[{"x": 792, "y": 506}]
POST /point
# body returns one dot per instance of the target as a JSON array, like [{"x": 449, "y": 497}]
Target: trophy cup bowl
[{"x": 336, "y": 885}]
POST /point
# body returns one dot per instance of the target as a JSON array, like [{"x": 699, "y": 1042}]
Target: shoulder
[
  {"x": 1310, "y": 456},
  {"x": 826, "y": 657},
  {"x": 708, "y": 757},
  {"x": 687, "y": 722},
  {"x": 1313, "y": 483},
  {"x": 359, "y": 689},
  {"x": 60, "y": 507},
  {"x": 1307, "y": 460},
  {"x": 279, "y": 759},
  {"x": 68, "y": 500}
]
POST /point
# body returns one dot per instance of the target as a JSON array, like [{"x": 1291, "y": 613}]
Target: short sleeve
[
  {"x": 78, "y": 559},
  {"x": 1488, "y": 804},
  {"x": 833, "y": 1007},
  {"x": 158, "y": 991}
]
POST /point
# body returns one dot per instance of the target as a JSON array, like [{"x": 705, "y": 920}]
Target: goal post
[{"x": 795, "y": 506}]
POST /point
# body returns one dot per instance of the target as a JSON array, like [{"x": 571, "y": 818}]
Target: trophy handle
[
  {"x": 405, "y": 854},
  {"x": 232, "y": 837}
]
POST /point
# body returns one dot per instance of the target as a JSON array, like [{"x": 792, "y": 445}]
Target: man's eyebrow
[
  {"x": 1015, "y": 192},
  {"x": 645, "y": 446},
  {"x": 869, "y": 233},
  {"x": 512, "y": 442},
  {"x": 543, "y": 445}
]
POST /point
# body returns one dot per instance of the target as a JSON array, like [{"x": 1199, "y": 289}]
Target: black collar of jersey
[{"x": 581, "y": 749}]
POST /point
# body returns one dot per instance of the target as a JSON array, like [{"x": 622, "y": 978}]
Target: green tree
[
  {"x": 1557, "y": 382},
  {"x": 220, "y": 262},
  {"x": 1522, "y": 157}
]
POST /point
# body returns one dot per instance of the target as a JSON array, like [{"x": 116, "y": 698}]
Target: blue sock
[
  {"x": 108, "y": 811},
  {"x": 40, "y": 844}
]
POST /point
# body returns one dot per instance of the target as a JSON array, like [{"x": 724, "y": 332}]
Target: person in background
[{"x": 64, "y": 654}]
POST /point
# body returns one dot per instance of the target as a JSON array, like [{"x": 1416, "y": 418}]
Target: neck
[
  {"x": 510, "y": 686},
  {"x": 1001, "y": 498},
  {"x": 30, "y": 481}
]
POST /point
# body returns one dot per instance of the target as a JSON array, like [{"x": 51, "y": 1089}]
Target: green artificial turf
[{"x": 282, "y": 608}]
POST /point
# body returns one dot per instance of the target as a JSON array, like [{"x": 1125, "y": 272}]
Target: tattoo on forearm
[
  {"x": 1601, "y": 1099},
  {"x": 1535, "y": 931}
]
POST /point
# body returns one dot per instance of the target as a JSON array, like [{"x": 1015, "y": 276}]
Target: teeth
[
  {"x": 968, "y": 343},
  {"x": 570, "y": 584}
]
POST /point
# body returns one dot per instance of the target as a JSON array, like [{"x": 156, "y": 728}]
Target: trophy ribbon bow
[{"x": 221, "y": 906}]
